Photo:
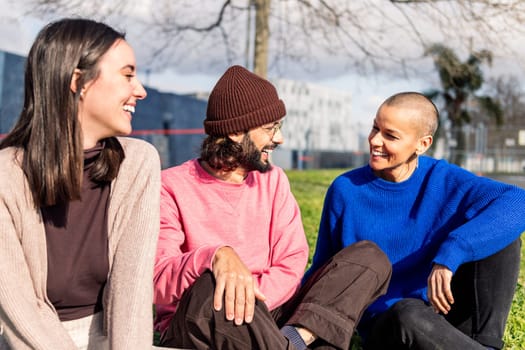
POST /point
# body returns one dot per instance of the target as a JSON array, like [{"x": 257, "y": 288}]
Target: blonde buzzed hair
[{"x": 427, "y": 111}]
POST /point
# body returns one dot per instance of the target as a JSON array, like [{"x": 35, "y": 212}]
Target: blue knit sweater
[{"x": 442, "y": 214}]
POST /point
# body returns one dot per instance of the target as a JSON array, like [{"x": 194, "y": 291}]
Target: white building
[{"x": 317, "y": 118}]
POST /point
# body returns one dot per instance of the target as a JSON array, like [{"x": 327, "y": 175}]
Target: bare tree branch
[
  {"x": 216, "y": 24},
  {"x": 314, "y": 35}
]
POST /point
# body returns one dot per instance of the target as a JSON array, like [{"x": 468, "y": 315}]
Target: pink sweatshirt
[{"x": 199, "y": 214}]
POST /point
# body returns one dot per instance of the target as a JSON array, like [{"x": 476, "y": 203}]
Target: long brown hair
[
  {"x": 48, "y": 130},
  {"x": 222, "y": 153}
]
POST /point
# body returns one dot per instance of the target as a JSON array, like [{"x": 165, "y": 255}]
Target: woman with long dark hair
[{"x": 79, "y": 205}]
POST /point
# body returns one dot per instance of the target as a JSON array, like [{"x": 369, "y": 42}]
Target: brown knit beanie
[{"x": 240, "y": 101}]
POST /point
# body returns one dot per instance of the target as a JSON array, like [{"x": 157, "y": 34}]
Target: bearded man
[{"x": 232, "y": 249}]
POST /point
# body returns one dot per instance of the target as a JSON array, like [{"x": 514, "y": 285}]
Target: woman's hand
[
  {"x": 235, "y": 285},
  {"x": 439, "y": 292}
]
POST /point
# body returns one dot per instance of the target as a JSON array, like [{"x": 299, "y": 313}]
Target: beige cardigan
[{"x": 27, "y": 319}]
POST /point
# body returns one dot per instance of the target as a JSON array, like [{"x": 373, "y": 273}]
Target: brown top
[{"x": 77, "y": 248}]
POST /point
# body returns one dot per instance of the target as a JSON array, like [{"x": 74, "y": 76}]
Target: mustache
[{"x": 270, "y": 147}]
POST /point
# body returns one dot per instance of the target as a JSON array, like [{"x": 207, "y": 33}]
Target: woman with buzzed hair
[{"x": 453, "y": 238}]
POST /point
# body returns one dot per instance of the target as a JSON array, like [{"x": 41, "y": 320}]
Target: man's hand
[
  {"x": 235, "y": 284},
  {"x": 439, "y": 292}
]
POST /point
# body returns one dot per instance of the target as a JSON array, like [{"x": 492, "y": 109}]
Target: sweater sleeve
[
  {"x": 135, "y": 206},
  {"x": 176, "y": 270},
  {"x": 494, "y": 217},
  {"x": 26, "y": 320},
  {"x": 179, "y": 263},
  {"x": 289, "y": 247}
]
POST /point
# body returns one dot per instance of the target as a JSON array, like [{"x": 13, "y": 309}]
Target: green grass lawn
[{"x": 309, "y": 188}]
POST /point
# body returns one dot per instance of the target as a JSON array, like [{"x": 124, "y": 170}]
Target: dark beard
[{"x": 250, "y": 159}]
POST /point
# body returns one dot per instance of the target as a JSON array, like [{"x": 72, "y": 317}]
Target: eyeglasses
[{"x": 272, "y": 130}]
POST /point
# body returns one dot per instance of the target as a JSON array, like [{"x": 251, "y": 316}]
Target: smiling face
[
  {"x": 266, "y": 138},
  {"x": 395, "y": 141},
  {"x": 108, "y": 101},
  {"x": 258, "y": 144}
]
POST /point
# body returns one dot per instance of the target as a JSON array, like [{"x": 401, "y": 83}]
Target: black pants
[
  {"x": 329, "y": 304},
  {"x": 483, "y": 292}
]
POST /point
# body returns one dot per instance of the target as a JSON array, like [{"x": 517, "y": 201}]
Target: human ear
[
  {"x": 424, "y": 144},
  {"x": 74, "y": 80},
  {"x": 237, "y": 137}
]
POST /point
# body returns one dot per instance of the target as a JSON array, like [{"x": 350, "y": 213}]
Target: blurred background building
[{"x": 319, "y": 130}]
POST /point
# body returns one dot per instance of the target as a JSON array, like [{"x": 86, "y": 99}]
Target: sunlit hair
[
  {"x": 427, "y": 111},
  {"x": 48, "y": 130},
  {"x": 222, "y": 153}
]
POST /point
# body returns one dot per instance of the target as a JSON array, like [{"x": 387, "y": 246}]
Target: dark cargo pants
[{"x": 329, "y": 304}]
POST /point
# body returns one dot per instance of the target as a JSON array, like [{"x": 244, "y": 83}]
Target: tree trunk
[
  {"x": 262, "y": 36},
  {"x": 459, "y": 152}
]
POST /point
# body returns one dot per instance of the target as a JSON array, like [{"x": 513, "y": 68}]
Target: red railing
[
  {"x": 168, "y": 132},
  {"x": 158, "y": 132}
]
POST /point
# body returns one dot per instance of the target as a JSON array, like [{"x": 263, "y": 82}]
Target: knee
[
  {"x": 202, "y": 290},
  {"x": 403, "y": 311},
  {"x": 409, "y": 323},
  {"x": 408, "y": 314},
  {"x": 205, "y": 281},
  {"x": 370, "y": 255}
]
